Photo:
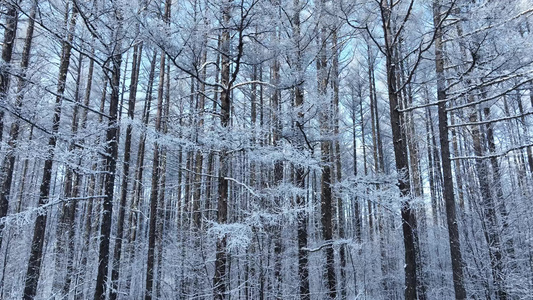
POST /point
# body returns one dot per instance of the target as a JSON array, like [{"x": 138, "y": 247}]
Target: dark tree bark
[
  {"x": 36, "y": 253},
  {"x": 200, "y": 106},
  {"x": 156, "y": 173},
  {"x": 115, "y": 272},
  {"x": 326, "y": 196},
  {"x": 219, "y": 278},
  {"x": 300, "y": 171},
  {"x": 490, "y": 222},
  {"x": 376, "y": 135},
  {"x": 457, "y": 163},
  {"x": 357, "y": 205},
  {"x": 10, "y": 33},
  {"x": 337, "y": 160},
  {"x": 110, "y": 163},
  {"x": 87, "y": 227},
  {"x": 431, "y": 171},
  {"x": 492, "y": 235},
  {"x": 139, "y": 171},
  {"x": 401, "y": 158},
  {"x": 162, "y": 219},
  {"x": 278, "y": 164},
  {"x": 449, "y": 199},
  {"x": 497, "y": 176},
  {"x": 405, "y": 94},
  {"x": 8, "y": 166},
  {"x": 65, "y": 230}
]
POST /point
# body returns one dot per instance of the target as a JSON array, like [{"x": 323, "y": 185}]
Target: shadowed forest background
[{"x": 266, "y": 149}]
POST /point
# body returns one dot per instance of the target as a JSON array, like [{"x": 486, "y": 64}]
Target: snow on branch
[
  {"x": 26, "y": 216},
  {"x": 503, "y": 153}
]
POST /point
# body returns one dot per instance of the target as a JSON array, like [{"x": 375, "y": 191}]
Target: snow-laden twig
[
  {"x": 24, "y": 217},
  {"x": 327, "y": 244},
  {"x": 492, "y": 120},
  {"x": 244, "y": 185},
  {"x": 505, "y": 152}
]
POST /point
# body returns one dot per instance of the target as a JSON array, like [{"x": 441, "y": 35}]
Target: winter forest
[{"x": 266, "y": 149}]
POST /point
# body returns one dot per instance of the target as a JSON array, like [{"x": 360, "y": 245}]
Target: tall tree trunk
[
  {"x": 24, "y": 176},
  {"x": 8, "y": 166},
  {"x": 401, "y": 158},
  {"x": 110, "y": 162},
  {"x": 491, "y": 231},
  {"x": 431, "y": 170},
  {"x": 87, "y": 228},
  {"x": 497, "y": 176},
  {"x": 357, "y": 206},
  {"x": 373, "y": 111},
  {"x": 489, "y": 208},
  {"x": 458, "y": 177},
  {"x": 376, "y": 135},
  {"x": 219, "y": 278},
  {"x": 278, "y": 164},
  {"x": 337, "y": 159},
  {"x": 406, "y": 95},
  {"x": 136, "y": 62},
  {"x": 139, "y": 171},
  {"x": 156, "y": 173},
  {"x": 326, "y": 196},
  {"x": 449, "y": 199},
  {"x": 162, "y": 219},
  {"x": 200, "y": 106},
  {"x": 65, "y": 230},
  {"x": 10, "y": 33},
  {"x": 379, "y": 140},
  {"x": 36, "y": 253},
  {"x": 300, "y": 171}
]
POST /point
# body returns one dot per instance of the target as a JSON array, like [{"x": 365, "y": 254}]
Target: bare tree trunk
[
  {"x": 36, "y": 254},
  {"x": 87, "y": 228},
  {"x": 65, "y": 230},
  {"x": 492, "y": 235},
  {"x": 458, "y": 178},
  {"x": 431, "y": 170},
  {"x": 326, "y": 196},
  {"x": 529, "y": 151},
  {"x": 136, "y": 62},
  {"x": 449, "y": 199},
  {"x": 138, "y": 185},
  {"x": 337, "y": 159},
  {"x": 489, "y": 208},
  {"x": 10, "y": 33},
  {"x": 156, "y": 173},
  {"x": 200, "y": 106},
  {"x": 363, "y": 136},
  {"x": 497, "y": 177},
  {"x": 24, "y": 176},
  {"x": 8, "y": 166},
  {"x": 373, "y": 111},
  {"x": 357, "y": 206},
  {"x": 401, "y": 158},
  {"x": 278, "y": 165},
  {"x": 376, "y": 136},
  {"x": 381, "y": 156},
  {"x": 406, "y": 100},
  {"x": 162, "y": 219},
  {"x": 219, "y": 278},
  {"x": 110, "y": 163},
  {"x": 300, "y": 171}
]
